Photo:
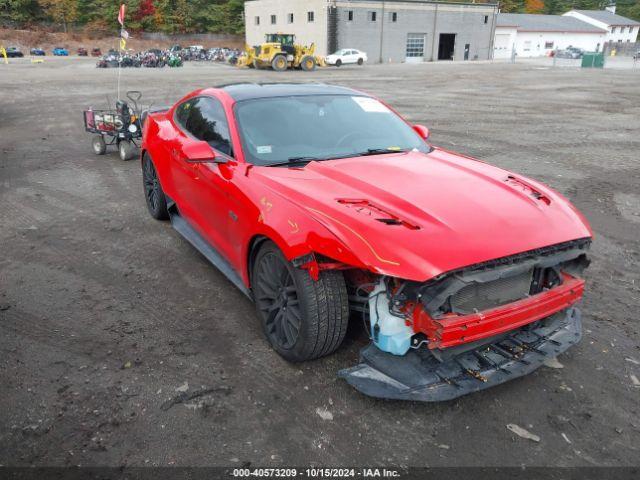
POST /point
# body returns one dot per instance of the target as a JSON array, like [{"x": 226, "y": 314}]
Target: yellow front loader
[
  {"x": 246, "y": 58},
  {"x": 280, "y": 52}
]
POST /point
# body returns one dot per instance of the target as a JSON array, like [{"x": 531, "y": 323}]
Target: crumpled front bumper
[{"x": 420, "y": 376}]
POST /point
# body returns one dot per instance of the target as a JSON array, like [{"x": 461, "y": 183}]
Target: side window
[
  {"x": 182, "y": 113},
  {"x": 207, "y": 121}
]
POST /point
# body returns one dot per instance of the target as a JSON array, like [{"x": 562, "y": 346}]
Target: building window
[
  {"x": 630, "y": 29},
  {"x": 613, "y": 29},
  {"x": 527, "y": 46},
  {"x": 273, "y": 19},
  {"x": 372, "y": 16},
  {"x": 415, "y": 45},
  {"x": 548, "y": 45},
  {"x": 290, "y": 18},
  {"x": 257, "y": 20},
  {"x": 486, "y": 19},
  {"x": 349, "y": 15},
  {"x": 393, "y": 16},
  {"x": 310, "y": 17}
]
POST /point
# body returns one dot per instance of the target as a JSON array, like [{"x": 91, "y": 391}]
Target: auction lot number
[{"x": 315, "y": 473}]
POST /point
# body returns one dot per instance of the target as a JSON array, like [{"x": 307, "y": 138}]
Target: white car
[{"x": 346, "y": 55}]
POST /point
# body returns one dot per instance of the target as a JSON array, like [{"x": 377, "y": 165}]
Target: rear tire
[
  {"x": 153, "y": 193},
  {"x": 302, "y": 319},
  {"x": 99, "y": 147},
  {"x": 279, "y": 63},
  {"x": 308, "y": 63},
  {"x": 126, "y": 150},
  {"x": 360, "y": 61}
]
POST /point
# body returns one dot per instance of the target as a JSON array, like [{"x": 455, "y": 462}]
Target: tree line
[
  {"x": 214, "y": 16},
  {"x": 169, "y": 16}
]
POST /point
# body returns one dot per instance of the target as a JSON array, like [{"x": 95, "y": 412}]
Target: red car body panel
[
  {"x": 456, "y": 211},
  {"x": 452, "y": 330},
  {"x": 448, "y": 211}
]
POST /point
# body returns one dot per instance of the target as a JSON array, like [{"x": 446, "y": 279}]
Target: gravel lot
[{"x": 106, "y": 314}]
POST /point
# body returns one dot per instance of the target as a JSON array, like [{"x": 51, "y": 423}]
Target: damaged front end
[{"x": 469, "y": 329}]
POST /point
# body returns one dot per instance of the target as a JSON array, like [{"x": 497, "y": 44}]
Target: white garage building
[
  {"x": 619, "y": 29},
  {"x": 530, "y": 35}
]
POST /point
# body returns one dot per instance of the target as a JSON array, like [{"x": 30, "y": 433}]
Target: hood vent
[
  {"x": 365, "y": 207},
  {"x": 526, "y": 188}
]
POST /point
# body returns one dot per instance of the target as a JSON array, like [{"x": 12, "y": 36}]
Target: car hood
[{"x": 416, "y": 216}]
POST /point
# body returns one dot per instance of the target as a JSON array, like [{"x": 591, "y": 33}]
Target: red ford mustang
[{"x": 324, "y": 206}]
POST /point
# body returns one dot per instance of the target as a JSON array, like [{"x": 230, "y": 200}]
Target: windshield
[
  {"x": 279, "y": 38},
  {"x": 320, "y": 127},
  {"x": 340, "y": 52}
]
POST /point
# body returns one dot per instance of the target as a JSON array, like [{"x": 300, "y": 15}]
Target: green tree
[
  {"x": 20, "y": 12},
  {"x": 61, "y": 11},
  {"x": 511, "y": 6},
  {"x": 175, "y": 16},
  {"x": 629, "y": 9}
]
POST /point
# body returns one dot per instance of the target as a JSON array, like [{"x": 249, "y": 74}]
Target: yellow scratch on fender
[
  {"x": 268, "y": 205},
  {"x": 364, "y": 240},
  {"x": 294, "y": 226}
]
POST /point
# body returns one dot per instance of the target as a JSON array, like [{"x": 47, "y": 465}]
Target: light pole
[{"x": 382, "y": 32}]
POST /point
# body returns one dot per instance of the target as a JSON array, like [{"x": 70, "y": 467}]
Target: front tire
[
  {"x": 308, "y": 63},
  {"x": 338, "y": 62},
  {"x": 126, "y": 150},
  {"x": 153, "y": 193},
  {"x": 99, "y": 147},
  {"x": 302, "y": 319},
  {"x": 279, "y": 63}
]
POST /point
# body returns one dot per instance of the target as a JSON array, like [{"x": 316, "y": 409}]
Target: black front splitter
[{"x": 420, "y": 376}]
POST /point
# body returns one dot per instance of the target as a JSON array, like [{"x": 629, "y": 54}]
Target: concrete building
[
  {"x": 530, "y": 35},
  {"x": 619, "y": 29},
  {"x": 387, "y": 30}
]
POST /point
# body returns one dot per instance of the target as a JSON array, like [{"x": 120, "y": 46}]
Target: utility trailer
[{"x": 121, "y": 127}]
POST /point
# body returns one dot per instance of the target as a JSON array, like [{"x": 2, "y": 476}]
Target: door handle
[{"x": 175, "y": 154}]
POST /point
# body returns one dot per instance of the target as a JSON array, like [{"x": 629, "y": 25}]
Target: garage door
[
  {"x": 415, "y": 47},
  {"x": 502, "y": 46}
]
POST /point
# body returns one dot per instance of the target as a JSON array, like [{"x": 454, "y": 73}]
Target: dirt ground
[{"x": 107, "y": 315}]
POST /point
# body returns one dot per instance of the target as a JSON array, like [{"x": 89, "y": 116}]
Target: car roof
[{"x": 248, "y": 91}]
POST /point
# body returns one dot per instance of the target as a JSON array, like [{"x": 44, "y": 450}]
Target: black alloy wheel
[
  {"x": 302, "y": 318},
  {"x": 277, "y": 300},
  {"x": 154, "y": 196}
]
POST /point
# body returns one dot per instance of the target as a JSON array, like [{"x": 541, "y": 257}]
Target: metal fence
[{"x": 623, "y": 49}]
